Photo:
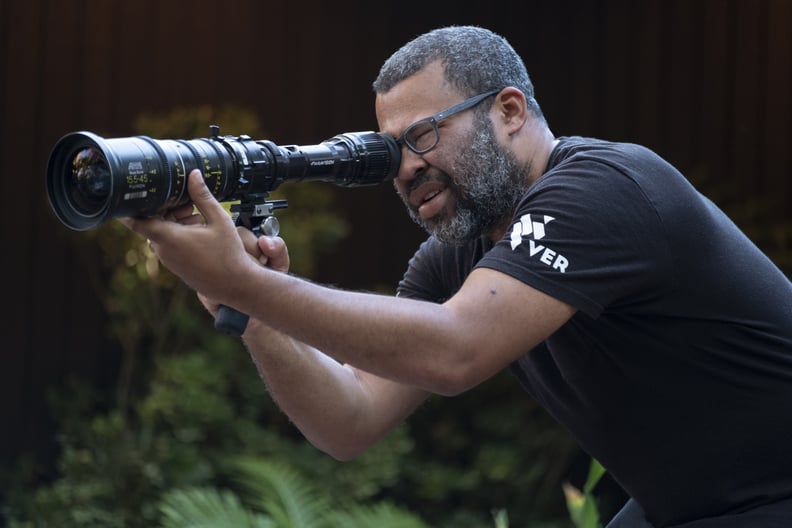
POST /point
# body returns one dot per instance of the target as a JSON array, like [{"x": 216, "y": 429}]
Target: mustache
[{"x": 429, "y": 176}]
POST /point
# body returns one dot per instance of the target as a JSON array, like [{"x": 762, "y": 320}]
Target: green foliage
[
  {"x": 382, "y": 515},
  {"x": 501, "y": 519},
  {"x": 281, "y": 492},
  {"x": 489, "y": 449},
  {"x": 276, "y": 496},
  {"x": 208, "y": 508},
  {"x": 583, "y": 505},
  {"x": 201, "y": 407}
]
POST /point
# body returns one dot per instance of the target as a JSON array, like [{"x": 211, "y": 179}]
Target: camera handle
[{"x": 256, "y": 214}]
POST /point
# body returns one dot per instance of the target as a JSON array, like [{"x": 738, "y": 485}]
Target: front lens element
[{"x": 90, "y": 183}]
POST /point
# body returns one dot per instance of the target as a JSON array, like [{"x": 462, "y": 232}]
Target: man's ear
[{"x": 511, "y": 109}]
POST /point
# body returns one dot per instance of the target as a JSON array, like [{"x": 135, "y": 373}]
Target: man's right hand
[{"x": 268, "y": 251}]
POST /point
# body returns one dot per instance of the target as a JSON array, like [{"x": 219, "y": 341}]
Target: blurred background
[{"x": 114, "y": 391}]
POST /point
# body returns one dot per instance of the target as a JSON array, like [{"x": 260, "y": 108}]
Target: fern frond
[
  {"x": 281, "y": 493},
  {"x": 381, "y": 515},
  {"x": 208, "y": 508}
]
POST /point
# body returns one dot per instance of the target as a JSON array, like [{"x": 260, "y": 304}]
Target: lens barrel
[{"x": 91, "y": 179}]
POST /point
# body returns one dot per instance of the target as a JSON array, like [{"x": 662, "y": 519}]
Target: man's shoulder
[{"x": 624, "y": 156}]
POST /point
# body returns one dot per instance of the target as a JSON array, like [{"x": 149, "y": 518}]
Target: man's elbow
[
  {"x": 453, "y": 381},
  {"x": 345, "y": 455},
  {"x": 342, "y": 449}
]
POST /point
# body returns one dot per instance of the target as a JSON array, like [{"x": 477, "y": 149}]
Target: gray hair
[{"x": 475, "y": 61}]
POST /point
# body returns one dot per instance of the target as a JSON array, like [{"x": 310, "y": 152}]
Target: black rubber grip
[{"x": 231, "y": 322}]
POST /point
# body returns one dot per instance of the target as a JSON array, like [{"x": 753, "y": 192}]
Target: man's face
[
  {"x": 486, "y": 184},
  {"x": 468, "y": 183}
]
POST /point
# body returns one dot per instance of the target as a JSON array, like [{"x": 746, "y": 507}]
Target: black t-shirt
[{"x": 676, "y": 371}]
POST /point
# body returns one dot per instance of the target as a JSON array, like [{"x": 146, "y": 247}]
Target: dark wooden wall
[{"x": 706, "y": 83}]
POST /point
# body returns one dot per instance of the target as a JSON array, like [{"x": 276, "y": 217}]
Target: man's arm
[
  {"x": 338, "y": 408},
  {"x": 441, "y": 348}
]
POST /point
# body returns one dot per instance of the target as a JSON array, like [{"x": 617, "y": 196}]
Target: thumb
[{"x": 203, "y": 199}]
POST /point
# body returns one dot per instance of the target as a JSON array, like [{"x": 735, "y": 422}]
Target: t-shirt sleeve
[
  {"x": 423, "y": 279},
  {"x": 436, "y": 271},
  {"x": 587, "y": 235}
]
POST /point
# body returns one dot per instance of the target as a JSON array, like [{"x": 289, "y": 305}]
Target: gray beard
[{"x": 489, "y": 185}]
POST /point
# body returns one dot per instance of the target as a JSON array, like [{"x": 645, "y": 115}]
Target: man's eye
[{"x": 422, "y": 136}]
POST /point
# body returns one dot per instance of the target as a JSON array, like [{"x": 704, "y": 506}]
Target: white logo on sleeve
[{"x": 533, "y": 227}]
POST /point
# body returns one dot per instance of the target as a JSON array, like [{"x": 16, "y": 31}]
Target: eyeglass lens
[{"x": 422, "y": 136}]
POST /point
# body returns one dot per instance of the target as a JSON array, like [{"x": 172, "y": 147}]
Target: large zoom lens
[{"x": 91, "y": 179}]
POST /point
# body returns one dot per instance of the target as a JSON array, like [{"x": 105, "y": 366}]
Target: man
[{"x": 625, "y": 302}]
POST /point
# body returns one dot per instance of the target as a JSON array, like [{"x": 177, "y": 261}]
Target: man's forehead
[{"x": 420, "y": 95}]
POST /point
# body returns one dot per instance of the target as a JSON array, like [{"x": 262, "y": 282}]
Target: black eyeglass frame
[{"x": 435, "y": 120}]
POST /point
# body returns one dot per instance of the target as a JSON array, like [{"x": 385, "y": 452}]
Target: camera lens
[
  {"x": 91, "y": 179},
  {"x": 90, "y": 183}
]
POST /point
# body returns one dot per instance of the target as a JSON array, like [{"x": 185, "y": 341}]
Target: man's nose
[{"x": 411, "y": 165}]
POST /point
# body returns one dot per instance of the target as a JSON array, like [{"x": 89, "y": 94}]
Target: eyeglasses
[{"x": 422, "y": 136}]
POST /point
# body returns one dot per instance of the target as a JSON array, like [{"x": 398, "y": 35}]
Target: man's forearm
[
  {"x": 332, "y": 404},
  {"x": 391, "y": 337},
  {"x": 441, "y": 348}
]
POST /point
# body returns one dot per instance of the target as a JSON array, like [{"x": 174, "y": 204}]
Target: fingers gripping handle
[{"x": 230, "y": 321}]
